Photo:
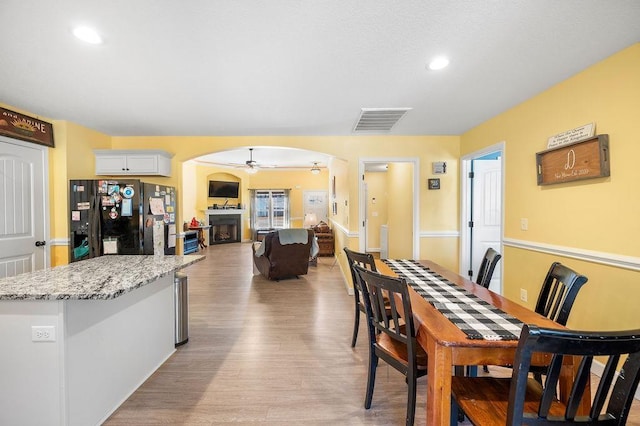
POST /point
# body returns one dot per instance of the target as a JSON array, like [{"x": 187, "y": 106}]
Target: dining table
[{"x": 448, "y": 346}]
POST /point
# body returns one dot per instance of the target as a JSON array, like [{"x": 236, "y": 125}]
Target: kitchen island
[{"x": 79, "y": 339}]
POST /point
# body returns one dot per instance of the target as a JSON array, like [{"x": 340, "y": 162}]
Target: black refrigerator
[{"x": 118, "y": 217}]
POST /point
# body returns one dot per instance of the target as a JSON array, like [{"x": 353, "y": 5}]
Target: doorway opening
[
  {"x": 482, "y": 210},
  {"x": 403, "y": 204}
]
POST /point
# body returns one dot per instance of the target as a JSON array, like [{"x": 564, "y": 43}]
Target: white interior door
[
  {"x": 487, "y": 214},
  {"x": 22, "y": 208}
]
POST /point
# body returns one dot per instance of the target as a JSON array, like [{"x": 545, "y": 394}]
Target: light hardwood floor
[{"x": 274, "y": 353}]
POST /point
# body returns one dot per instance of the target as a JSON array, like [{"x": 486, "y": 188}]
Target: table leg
[
  {"x": 201, "y": 239},
  {"x": 567, "y": 374},
  {"x": 440, "y": 364}
]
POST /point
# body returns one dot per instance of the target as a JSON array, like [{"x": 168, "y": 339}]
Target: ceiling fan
[{"x": 252, "y": 165}]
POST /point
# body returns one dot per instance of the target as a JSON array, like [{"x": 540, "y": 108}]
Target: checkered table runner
[{"x": 475, "y": 317}]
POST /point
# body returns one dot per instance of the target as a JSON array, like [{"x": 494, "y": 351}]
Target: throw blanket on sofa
[{"x": 293, "y": 236}]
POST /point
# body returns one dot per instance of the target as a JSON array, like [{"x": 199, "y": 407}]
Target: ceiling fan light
[{"x": 252, "y": 166}]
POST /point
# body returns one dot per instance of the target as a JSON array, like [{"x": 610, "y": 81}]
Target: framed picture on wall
[
  {"x": 335, "y": 208},
  {"x": 434, "y": 183},
  {"x": 333, "y": 187}
]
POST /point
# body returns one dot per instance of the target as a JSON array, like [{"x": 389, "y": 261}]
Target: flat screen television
[{"x": 222, "y": 189}]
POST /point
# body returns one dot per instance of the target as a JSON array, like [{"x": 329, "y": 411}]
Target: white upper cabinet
[{"x": 133, "y": 162}]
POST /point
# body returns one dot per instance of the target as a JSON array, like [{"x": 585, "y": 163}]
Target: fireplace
[{"x": 225, "y": 228}]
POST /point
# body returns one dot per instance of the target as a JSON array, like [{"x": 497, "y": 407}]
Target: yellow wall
[
  {"x": 400, "y": 210},
  {"x": 376, "y": 206},
  {"x": 598, "y": 215}
]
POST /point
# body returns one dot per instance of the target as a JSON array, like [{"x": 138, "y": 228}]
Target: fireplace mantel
[{"x": 224, "y": 211}]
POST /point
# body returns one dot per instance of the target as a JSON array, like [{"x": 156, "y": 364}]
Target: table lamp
[{"x": 310, "y": 220}]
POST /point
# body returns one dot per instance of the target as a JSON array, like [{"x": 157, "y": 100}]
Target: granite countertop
[{"x": 100, "y": 278}]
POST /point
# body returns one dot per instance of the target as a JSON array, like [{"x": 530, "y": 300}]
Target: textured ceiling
[{"x": 292, "y": 67}]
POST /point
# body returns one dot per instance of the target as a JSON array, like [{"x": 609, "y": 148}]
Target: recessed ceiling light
[
  {"x": 438, "y": 63},
  {"x": 87, "y": 34}
]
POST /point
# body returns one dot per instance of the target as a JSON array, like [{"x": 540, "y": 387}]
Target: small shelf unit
[{"x": 190, "y": 242}]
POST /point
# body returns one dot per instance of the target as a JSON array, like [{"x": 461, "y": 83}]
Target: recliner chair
[{"x": 282, "y": 260}]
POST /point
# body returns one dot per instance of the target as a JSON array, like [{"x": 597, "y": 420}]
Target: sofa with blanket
[{"x": 285, "y": 253}]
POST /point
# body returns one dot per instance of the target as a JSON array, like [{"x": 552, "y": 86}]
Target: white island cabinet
[
  {"x": 132, "y": 162},
  {"x": 78, "y": 339}
]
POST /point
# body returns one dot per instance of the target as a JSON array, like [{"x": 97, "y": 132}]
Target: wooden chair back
[
  {"x": 558, "y": 293},
  {"x": 364, "y": 260},
  {"x": 385, "y": 314},
  {"x": 561, "y": 343},
  {"x": 487, "y": 266}
]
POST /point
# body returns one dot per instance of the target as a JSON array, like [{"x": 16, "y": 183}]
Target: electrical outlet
[
  {"x": 523, "y": 294},
  {"x": 45, "y": 333},
  {"x": 524, "y": 224}
]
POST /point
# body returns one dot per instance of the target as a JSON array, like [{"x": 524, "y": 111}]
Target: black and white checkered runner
[{"x": 475, "y": 317}]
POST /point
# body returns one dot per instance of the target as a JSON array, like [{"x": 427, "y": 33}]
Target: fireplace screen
[{"x": 224, "y": 229}]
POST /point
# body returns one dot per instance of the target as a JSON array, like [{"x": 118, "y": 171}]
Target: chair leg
[
  {"x": 537, "y": 377},
  {"x": 411, "y": 400},
  {"x": 371, "y": 379},
  {"x": 356, "y": 325}
]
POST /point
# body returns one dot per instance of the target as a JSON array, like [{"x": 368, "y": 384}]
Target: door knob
[{"x": 40, "y": 243}]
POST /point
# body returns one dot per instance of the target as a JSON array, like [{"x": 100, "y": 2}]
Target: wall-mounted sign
[
  {"x": 580, "y": 160},
  {"x": 439, "y": 167},
  {"x": 19, "y": 126},
  {"x": 571, "y": 136}
]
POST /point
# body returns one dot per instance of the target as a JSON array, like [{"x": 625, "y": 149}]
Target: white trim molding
[
  {"x": 59, "y": 242},
  {"x": 440, "y": 234},
  {"x": 344, "y": 230},
  {"x": 609, "y": 259}
]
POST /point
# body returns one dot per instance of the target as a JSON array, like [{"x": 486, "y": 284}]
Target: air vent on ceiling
[{"x": 379, "y": 119}]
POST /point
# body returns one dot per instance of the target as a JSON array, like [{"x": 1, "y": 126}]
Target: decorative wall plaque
[
  {"x": 574, "y": 135},
  {"x": 20, "y": 126},
  {"x": 586, "y": 159}
]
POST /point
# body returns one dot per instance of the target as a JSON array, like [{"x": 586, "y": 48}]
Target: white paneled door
[
  {"x": 22, "y": 208},
  {"x": 487, "y": 213}
]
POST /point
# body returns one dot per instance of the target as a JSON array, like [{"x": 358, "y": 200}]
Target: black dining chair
[
  {"x": 366, "y": 261},
  {"x": 521, "y": 400},
  {"x": 556, "y": 298},
  {"x": 392, "y": 334},
  {"x": 485, "y": 273},
  {"x": 487, "y": 266},
  {"x": 558, "y": 293}
]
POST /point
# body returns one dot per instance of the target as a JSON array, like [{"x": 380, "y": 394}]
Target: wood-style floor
[{"x": 273, "y": 353}]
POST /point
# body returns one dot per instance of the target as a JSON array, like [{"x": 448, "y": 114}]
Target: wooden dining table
[{"x": 447, "y": 346}]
